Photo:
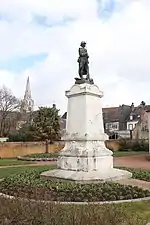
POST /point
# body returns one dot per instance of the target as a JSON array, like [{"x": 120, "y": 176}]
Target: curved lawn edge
[
  {"x": 36, "y": 159},
  {"x": 74, "y": 203}
]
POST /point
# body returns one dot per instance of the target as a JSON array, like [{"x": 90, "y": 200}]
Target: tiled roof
[
  {"x": 136, "y": 112},
  {"x": 111, "y": 114},
  {"x": 64, "y": 116}
]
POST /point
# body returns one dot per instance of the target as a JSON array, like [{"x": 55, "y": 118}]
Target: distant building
[
  {"x": 140, "y": 130},
  {"x": 115, "y": 118},
  {"x": 27, "y": 102},
  {"x": 27, "y": 106},
  {"x": 118, "y": 120},
  {"x": 133, "y": 118}
]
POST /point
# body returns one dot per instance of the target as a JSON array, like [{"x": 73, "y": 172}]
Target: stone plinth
[{"x": 85, "y": 157}]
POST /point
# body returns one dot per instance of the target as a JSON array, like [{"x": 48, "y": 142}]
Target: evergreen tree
[{"x": 46, "y": 125}]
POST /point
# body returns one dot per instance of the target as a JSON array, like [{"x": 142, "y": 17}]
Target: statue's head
[{"x": 83, "y": 44}]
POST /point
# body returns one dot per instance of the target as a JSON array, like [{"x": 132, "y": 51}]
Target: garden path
[{"x": 136, "y": 161}]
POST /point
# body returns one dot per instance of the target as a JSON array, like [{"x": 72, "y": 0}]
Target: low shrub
[
  {"x": 43, "y": 155},
  {"x": 25, "y": 213},
  {"x": 29, "y": 185},
  {"x": 139, "y": 174},
  {"x": 20, "y": 137},
  {"x": 132, "y": 145}
]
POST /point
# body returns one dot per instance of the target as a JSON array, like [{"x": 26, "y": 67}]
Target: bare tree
[{"x": 9, "y": 106}]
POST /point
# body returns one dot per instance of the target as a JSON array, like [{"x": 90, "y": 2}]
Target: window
[
  {"x": 130, "y": 126},
  {"x": 131, "y": 117},
  {"x": 112, "y": 126}
]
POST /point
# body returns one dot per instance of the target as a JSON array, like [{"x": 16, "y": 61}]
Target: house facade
[
  {"x": 141, "y": 131},
  {"x": 115, "y": 118},
  {"x": 125, "y": 121}
]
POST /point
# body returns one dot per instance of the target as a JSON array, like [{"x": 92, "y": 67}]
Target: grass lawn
[
  {"x": 4, "y": 172},
  {"x": 127, "y": 153},
  {"x": 12, "y": 162},
  {"x": 23, "y": 213},
  {"x": 141, "y": 208}
]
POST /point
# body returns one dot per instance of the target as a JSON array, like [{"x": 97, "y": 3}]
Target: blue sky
[
  {"x": 40, "y": 39},
  {"x": 48, "y": 22},
  {"x": 20, "y": 63},
  {"x": 106, "y": 8}
]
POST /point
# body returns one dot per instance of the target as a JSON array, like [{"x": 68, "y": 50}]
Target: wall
[
  {"x": 124, "y": 133},
  {"x": 14, "y": 149},
  {"x": 140, "y": 131},
  {"x": 113, "y": 145},
  {"x": 133, "y": 123}
]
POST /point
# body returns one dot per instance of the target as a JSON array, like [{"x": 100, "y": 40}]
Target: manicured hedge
[{"x": 42, "y": 155}]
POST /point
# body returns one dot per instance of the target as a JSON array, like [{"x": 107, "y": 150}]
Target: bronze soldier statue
[
  {"x": 83, "y": 66},
  {"x": 83, "y": 61}
]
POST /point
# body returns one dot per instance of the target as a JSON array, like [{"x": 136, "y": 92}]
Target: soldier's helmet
[{"x": 83, "y": 43}]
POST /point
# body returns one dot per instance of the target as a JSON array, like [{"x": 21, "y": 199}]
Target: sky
[{"x": 40, "y": 39}]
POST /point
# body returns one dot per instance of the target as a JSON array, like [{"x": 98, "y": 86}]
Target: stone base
[
  {"x": 85, "y": 164},
  {"x": 85, "y": 156},
  {"x": 83, "y": 81},
  {"x": 86, "y": 177}
]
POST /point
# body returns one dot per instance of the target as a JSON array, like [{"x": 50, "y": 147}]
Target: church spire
[
  {"x": 28, "y": 90},
  {"x": 27, "y": 103}
]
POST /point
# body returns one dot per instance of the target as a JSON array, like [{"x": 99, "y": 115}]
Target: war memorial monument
[{"x": 85, "y": 157}]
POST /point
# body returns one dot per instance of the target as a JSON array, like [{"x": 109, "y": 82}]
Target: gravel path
[{"x": 136, "y": 161}]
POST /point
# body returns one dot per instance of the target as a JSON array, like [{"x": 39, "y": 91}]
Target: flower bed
[
  {"x": 40, "y": 157},
  {"x": 139, "y": 173},
  {"x": 29, "y": 185},
  {"x": 43, "y": 155}
]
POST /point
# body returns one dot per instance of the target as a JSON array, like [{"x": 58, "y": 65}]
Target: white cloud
[{"x": 119, "y": 48}]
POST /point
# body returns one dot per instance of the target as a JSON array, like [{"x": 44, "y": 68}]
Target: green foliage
[
  {"x": 133, "y": 145},
  {"x": 126, "y": 153},
  {"x": 25, "y": 213},
  {"x": 24, "y": 134},
  {"x": 28, "y": 184},
  {"x": 46, "y": 124},
  {"x": 43, "y": 155},
  {"x": 20, "y": 137},
  {"x": 139, "y": 174}
]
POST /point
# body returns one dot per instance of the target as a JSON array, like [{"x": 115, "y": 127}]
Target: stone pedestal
[{"x": 85, "y": 157}]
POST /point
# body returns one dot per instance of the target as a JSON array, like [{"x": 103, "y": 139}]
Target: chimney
[
  {"x": 132, "y": 110},
  {"x": 132, "y": 107},
  {"x": 142, "y": 112}
]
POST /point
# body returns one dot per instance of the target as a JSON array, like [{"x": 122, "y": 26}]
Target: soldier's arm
[{"x": 82, "y": 52}]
